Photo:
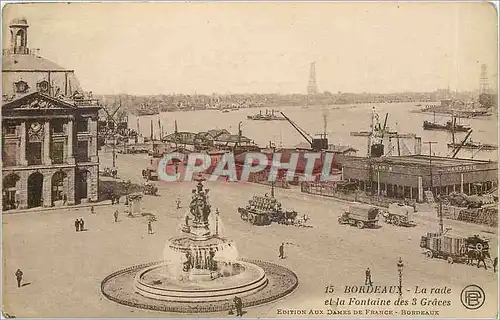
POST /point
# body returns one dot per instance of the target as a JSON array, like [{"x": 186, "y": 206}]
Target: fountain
[{"x": 200, "y": 272}]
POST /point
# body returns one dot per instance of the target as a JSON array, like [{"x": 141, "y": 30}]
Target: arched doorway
[
  {"x": 10, "y": 190},
  {"x": 82, "y": 179},
  {"x": 59, "y": 187},
  {"x": 35, "y": 190}
]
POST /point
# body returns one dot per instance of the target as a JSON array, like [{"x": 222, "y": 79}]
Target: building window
[
  {"x": 34, "y": 154},
  {"x": 57, "y": 152},
  {"x": 82, "y": 125},
  {"x": 10, "y": 129},
  {"x": 57, "y": 126},
  {"x": 82, "y": 152},
  {"x": 9, "y": 154},
  {"x": 21, "y": 87}
]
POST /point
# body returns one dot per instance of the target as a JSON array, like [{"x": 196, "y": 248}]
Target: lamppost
[
  {"x": 127, "y": 187},
  {"x": 400, "y": 273},
  {"x": 217, "y": 222},
  {"x": 440, "y": 210}
]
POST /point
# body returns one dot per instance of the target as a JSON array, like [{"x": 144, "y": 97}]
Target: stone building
[{"x": 49, "y": 130}]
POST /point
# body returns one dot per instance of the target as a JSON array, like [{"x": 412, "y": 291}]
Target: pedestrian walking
[
  {"x": 368, "y": 277},
  {"x": 150, "y": 227},
  {"x": 282, "y": 251},
  {"x": 116, "y": 215},
  {"x": 495, "y": 264},
  {"x": 19, "y": 277},
  {"x": 178, "y": 203},
  {"x": 92, "y": 210},
  {"x": 77, "y": 225},
  {"x": 82, "y": 225},
  {"x": 238, "y": 304},
  {"x": 65, "y": 199}
]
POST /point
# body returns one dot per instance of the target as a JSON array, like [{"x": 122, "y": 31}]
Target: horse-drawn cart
[
  {"x": 455, "y": 249},
  {"x": 263, "y": 210},
  {"x": 360, "y": 217}
]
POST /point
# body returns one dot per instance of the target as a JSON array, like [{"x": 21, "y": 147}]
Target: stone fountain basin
[{"x": 152, "y": 283}]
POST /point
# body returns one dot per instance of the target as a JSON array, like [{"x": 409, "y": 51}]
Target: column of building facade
[
  {"x": 23, "y": 189},
  {"x": 93, "y": 184},
  {"x": 93, "y": 140},
  {"x": 47, "y": 188},
  {"x": 420, "y": 190},
  {"x": 22, "y": 145},
  {"x": 69, "y": 146},
  {"x": 46, "y": 143},
  {"x": 71, "y": 186}
]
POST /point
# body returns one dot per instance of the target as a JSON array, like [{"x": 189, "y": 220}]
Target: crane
[
  {"x": 317, "y": 144},
  {"x": 114, "y": 129},
  {"x": 456, "y": 148}
]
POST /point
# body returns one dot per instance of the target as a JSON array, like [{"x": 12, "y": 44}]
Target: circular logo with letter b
[{"x": 472, "y": 297}]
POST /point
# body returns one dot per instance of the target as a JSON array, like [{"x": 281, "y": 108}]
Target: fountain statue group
[
  {"x": 191, "y": 263},
  {"x": 199, "y": 206}
]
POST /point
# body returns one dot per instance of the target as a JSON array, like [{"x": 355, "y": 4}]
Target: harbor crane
[
  {"x": 112, "y": 128},
  {"x": 317, "y": 144},
  {"x": 456, "y": 148}
]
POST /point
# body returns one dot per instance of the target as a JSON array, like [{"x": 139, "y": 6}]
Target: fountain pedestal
[
  {"x": 198, "y": 231},
  {"x": 201, "y": 272}
]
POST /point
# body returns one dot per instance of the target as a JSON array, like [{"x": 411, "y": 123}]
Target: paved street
[{"x": 64, "y": 269}]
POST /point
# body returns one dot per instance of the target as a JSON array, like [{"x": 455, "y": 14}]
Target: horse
[{"x": 474, "y": 254}]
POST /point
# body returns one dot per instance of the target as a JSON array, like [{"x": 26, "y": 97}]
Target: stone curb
[{"x": 64, "y": 208}]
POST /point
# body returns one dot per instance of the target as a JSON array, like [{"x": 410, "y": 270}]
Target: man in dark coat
[
  {"x": 282, "y": 251},
  {"x": 238, "y": 304},
  {"x": 77, "y": 225},
  {"x": 82, "y": 225},
  {"x": 19, "y": 277},
  {"x": 368, "y": 277}
]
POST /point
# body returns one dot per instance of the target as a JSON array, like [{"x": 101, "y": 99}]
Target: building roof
[
  {"x": 331, "y": 147},
  {"x": 421, "y": 160},
  {"x": 340, "y": 149},
  {"x": 19, "y": 22},
  {"x": 28, "y": 62},
  {"x": 234, "y": 138}
]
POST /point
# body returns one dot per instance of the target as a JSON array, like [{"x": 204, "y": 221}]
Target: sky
[{"x": 165, "y": 48}]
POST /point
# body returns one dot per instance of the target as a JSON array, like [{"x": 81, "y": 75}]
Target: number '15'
[{"x": 329, "y": 289}]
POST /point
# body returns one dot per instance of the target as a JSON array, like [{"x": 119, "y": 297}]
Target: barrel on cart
[{"x": 360, "y": 217}]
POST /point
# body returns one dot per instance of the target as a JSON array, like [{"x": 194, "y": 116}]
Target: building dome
[
  {"x": 19, "y": 22},
  {"x": 25, "y": 71}
]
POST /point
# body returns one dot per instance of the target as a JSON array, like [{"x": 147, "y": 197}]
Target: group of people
[
  {"x": 79, "y": 225},
  {"x": 114, "y": 199}
]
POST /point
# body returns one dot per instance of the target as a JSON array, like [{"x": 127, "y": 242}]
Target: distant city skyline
[{"x": 244, "y": 48}]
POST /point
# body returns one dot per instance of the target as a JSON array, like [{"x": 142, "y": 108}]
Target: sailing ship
[{"x": 268, "y": 116}]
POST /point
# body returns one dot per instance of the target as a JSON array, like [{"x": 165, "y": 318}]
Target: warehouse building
[{"x": 410, "y": 176}]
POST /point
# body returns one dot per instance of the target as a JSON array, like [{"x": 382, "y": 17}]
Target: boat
[
  {"x": 447, "y": 127},
  {"x": 450, "y": 125},
  {"x": 473, "y": 145},
  {"x": 147, "y": 110},
  {"x": 268, "y": 116},
  {"x": 226, "y": 110}
]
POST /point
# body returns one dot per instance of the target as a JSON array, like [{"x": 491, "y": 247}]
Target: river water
[{"x": 341, "y": 120}]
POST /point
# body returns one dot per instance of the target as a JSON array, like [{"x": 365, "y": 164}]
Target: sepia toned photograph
[{"x": 250, "y": 159}]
